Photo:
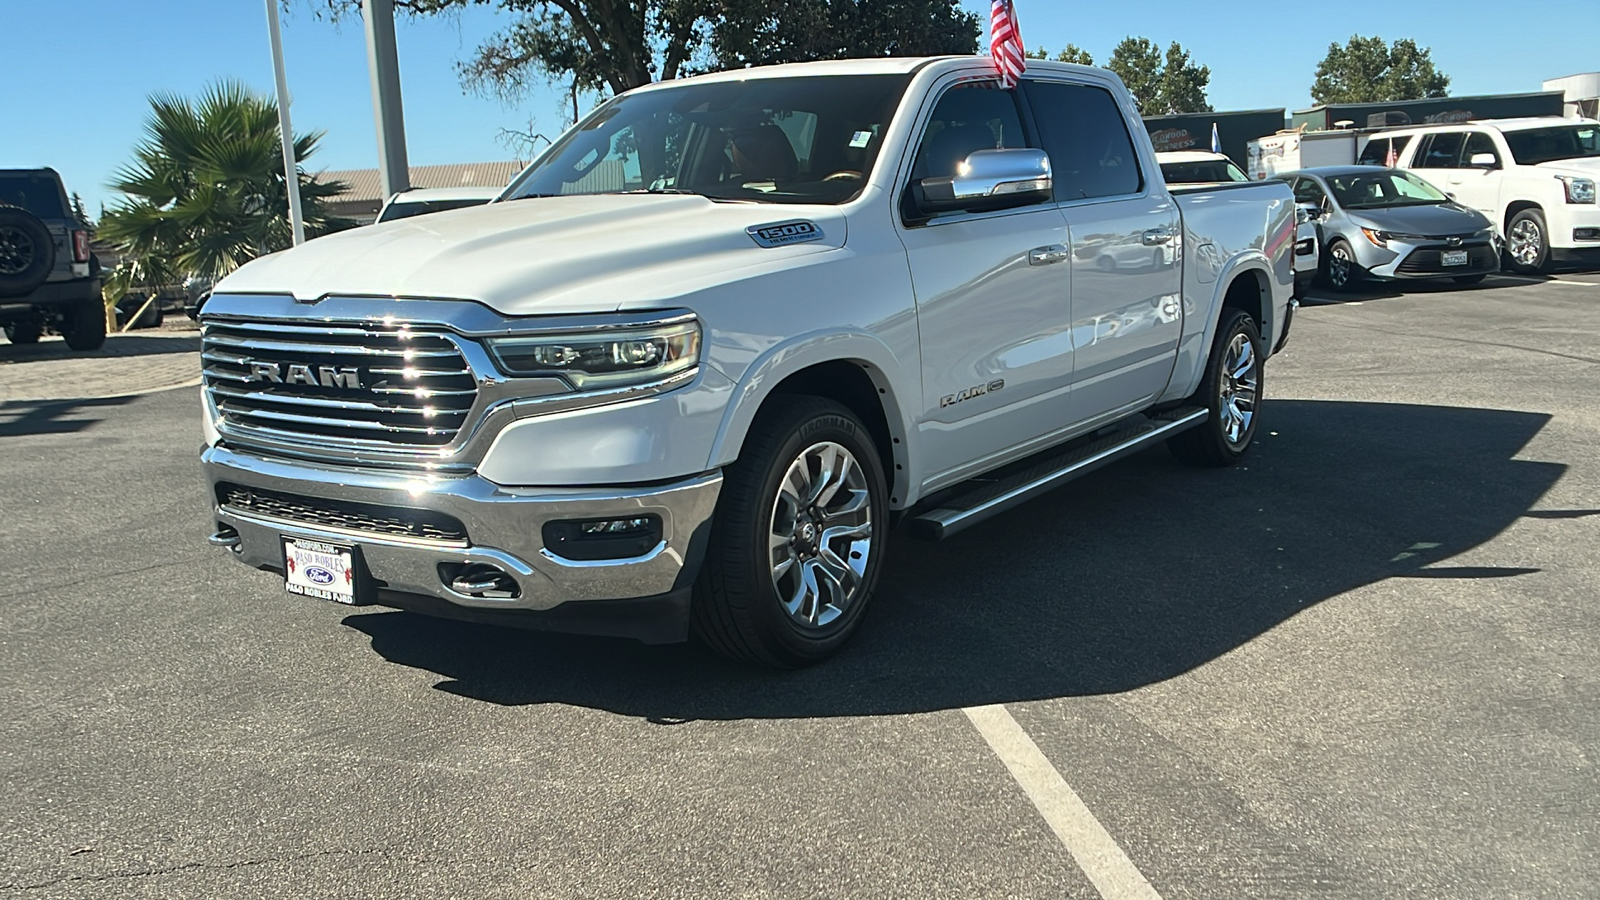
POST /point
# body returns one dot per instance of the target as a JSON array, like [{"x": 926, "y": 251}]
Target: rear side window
[
  {"x": 1442, "y": 151},
  {"x": 1376, "y": 153},
  {"x": 35, "y": 193},
  {"x": 1086, "y": 135}
]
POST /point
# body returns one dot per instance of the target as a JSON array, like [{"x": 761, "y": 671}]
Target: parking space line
[{"x": 1110, "y": 870}]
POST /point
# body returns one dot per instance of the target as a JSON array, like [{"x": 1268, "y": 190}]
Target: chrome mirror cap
[{"x": 989, "y": 180}]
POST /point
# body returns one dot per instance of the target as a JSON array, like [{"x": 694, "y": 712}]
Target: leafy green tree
[
  {"x": 81, "y": 213},
  {"x": 1366, "y": 70},
  {"x": 205, "y": 191},
  {"x": 1073, "y": 54},
  {"x": 610, "y": 46},
  {"x": 1160, "y": 85}
]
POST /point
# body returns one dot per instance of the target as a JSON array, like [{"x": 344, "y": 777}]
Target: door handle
[
  {"x": 1154, "y": 237},
  {"x": 1044, "y": 256}
]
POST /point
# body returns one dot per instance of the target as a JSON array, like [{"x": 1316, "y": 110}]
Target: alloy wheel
[
  {"x": 1526, "y": 242},
  {"x": 1339, "y": 263},
  {"x": 1240, "y": 386},
  {"x": 16, "y": 250},
  {"x": 821, "y": 535}
]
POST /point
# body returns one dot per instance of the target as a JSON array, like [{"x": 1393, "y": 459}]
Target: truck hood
[
  {"x": 1585, "y": 167},
  {"x": 592, "y": 253}
]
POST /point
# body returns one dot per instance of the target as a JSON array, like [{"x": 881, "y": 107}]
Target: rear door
[
  {"x": 1126, "y": 258},
  {"x": 993, "y": 298}
]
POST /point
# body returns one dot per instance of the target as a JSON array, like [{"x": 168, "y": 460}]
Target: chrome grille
[
  {"x": 415, "y": 388},
  {"x": 424, "y": 524}
]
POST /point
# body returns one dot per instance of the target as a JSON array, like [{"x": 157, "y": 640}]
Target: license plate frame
[
  {"x": 323, "y": 570},
  {"x": 1454, "y": 258}
]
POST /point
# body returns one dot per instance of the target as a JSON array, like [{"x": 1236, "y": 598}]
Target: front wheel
[
  {"x": 798, "y": 538},
  {"x": 1340, "y": 269},
  {"x": 1528, "y": 242},
  {"x": 1231, "y": 390}
]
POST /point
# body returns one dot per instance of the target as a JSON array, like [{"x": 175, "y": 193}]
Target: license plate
[
  {"x": 321, "y": 570},
  {"x": 1454, "y": 257}
]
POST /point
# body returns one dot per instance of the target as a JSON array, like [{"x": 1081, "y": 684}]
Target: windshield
[
  {"x": 1208, "y": 171},
  {"x": 770, "y": 140},
  {"x": 405, "y": 209},
  {"x": 1541, "y": 145},
  {"x": 1383, "y": 189}
]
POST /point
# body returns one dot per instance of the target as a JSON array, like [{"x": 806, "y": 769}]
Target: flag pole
[{"x": 291, "y": 170}]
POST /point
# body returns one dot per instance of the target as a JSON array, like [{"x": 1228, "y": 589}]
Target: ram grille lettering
[{"x": 299, "y": 373}]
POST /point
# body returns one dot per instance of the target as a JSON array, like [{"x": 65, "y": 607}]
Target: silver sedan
[{"x": 1388, "y": 224}]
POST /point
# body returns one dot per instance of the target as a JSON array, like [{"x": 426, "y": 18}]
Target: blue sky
[{"x": 86, "y": 67}]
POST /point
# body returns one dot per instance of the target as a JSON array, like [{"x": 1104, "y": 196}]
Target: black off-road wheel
[
  {"x": 22, "y": 333},
  {"x": 1231, "y": 390},
  {"x": 798, "y": 538},
  {"x": 84, "y": 326},
  {"x": 27, "y": 252}
]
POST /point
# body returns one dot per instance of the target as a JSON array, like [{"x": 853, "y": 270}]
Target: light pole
[
  {"x": 291, "y": 169},
  {"x": 383, "y": 64}
]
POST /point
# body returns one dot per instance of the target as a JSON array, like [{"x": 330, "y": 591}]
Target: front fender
[{"x": 797, "y": 354}]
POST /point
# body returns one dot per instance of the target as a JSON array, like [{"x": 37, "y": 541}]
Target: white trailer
[{"x": 1290, "y": 150}]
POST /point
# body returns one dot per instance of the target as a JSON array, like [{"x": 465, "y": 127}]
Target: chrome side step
[{"x": 1053, "y": 469}]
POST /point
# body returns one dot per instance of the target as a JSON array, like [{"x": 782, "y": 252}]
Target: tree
[
  {"x": 1366, "y": 70},
  {"x": 205, "y": 191},
  {"x": 610, "y": 46},
  {"x": 1160, "y": 86},
  {"x": 1073, "y": 54},
  {"x": 81, "y": 213}
]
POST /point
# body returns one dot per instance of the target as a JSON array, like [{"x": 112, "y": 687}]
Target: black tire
[
  {"x": 22, "y": 333},
  {"x": 84, "y": 326},
  {"x": 1340, "y": 270},
  {"x": 1470, "y": 279},
  {"x": 737, "y": 608},
  {"x": 27, "y": 252},
  {"x": 1528, "y": 242},
  {"x": 1211, "y": 443}
]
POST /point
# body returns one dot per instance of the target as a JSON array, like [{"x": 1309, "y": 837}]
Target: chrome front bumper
[{"x": 504, "y": 528}]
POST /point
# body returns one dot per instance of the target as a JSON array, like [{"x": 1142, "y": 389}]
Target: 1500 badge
[
  {"x": 969, "y": 393},
  {"x": 779, "y": 234}
]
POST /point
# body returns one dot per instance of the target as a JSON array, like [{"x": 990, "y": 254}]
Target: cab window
[
  {"x": 1479, "y": 142},
  {"x": 1442, "y": 151},
  {"x": 968, "y": 118},
  {"x": 1308, "y": 191},
  {"x": 1086, "y": 135}
]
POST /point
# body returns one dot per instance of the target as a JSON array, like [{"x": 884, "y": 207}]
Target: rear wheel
[
  {"x": 27, "y": 332},
  {"x": 84, "y": 327},
  {"x": 1231, "y": 391},
  {"x": 798, "y": 538}
]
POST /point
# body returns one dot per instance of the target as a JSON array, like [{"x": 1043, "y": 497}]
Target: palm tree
[{"x": 205, "y": 192}]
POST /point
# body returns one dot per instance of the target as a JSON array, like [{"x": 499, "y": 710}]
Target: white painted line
[{"x": 1110, "y": 870}]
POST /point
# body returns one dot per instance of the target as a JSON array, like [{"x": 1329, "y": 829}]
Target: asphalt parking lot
[{"x": 1362, "y": 665}]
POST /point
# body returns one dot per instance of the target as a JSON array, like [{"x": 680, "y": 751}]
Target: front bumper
[
  {"x": 1405, "y": 261},
  {"x": 504, "y": 529}
]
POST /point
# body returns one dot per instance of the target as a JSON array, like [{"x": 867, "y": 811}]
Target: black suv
[{"x": 47, "y": 274}]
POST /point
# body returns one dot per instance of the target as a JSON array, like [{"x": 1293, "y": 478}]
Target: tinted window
[
  {"x": 1383, "y": 189},
  {"x": 1539, "y": 145},
  {"x": 1086, "y": 135},
  {"x": 1479, "y": 142},
  {"x": 1203, "y": 172},
  {"x": 774, "y": 140},
  {"x": 1442, "y": 152},
  {"x": 1374, "y": 153},
  {"x": 968, "y": 118},
  {"x": 37, "y": 194},
  {"x": 1308, "y": 191}
]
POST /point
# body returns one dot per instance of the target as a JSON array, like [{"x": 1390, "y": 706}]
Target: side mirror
[
  {"x": 989, "y": 180},
  {"x": 1307, "y": 212},
  {"x": 1483, "y": 161}
]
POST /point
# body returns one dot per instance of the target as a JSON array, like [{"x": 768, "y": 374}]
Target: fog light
[
  {"x": 1586, "y": 234},
  {"x": 597, "y": 539}
]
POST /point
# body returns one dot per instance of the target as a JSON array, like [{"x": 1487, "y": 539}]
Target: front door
[
  {"x": 1476, "y": 186},
  {"x": 993, "y": 300},
  {"x": 1126, "y": 260}
]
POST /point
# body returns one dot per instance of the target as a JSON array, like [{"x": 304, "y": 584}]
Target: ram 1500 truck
[{"x": 685, "y": 373}]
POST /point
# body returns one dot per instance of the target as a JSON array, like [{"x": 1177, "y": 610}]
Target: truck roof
[
  {"x": 900, "y": 65},
  {"x": 1522, "y": 124}
]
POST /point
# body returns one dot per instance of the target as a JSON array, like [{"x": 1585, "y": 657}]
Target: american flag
[
  {"x": 1005, "y": 42},
  {"x": 1393, "y": 159}
]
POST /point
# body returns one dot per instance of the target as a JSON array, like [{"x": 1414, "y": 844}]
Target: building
[
  {"x": 1192, "y": 131},
  {"x": 1432, "y": 111},
  {"x": 1580, "y": 94},
  {"x": 365, "y": 196}
]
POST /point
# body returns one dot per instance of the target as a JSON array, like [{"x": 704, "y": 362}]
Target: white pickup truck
[{"x": 687, "y": 372}]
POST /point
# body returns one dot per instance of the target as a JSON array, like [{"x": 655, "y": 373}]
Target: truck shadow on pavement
[
  {"x": 1137, "y": 574},
  {"x": 24, "y": 417}
]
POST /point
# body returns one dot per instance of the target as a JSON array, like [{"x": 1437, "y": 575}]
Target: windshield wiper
[
  {"x": 665, "y": 191},
  {"x": 533, "y": 196}
]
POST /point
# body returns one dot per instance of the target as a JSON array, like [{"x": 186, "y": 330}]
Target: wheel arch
[
  {"x": 855, "y": 370},
  {"x": 1515, "y": 207}
]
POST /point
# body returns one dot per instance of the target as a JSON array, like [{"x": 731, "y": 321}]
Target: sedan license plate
[
  {"x": 1454, "y": 257},
  {"x": 321, "y": 570}
]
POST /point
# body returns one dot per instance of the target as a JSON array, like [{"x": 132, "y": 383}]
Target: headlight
[
  {"x": 603, "y": 358},
  {"x": 1378, "y": 238},
  {"x": 1579, "y": 190}
]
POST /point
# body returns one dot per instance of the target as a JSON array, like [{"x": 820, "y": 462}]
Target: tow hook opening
[
  {"x": 225, "y": 536},
  {"x": 480, "y": 580}
]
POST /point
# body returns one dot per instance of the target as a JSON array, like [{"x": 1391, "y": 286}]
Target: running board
[{"x": 1054, "y": 469}]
